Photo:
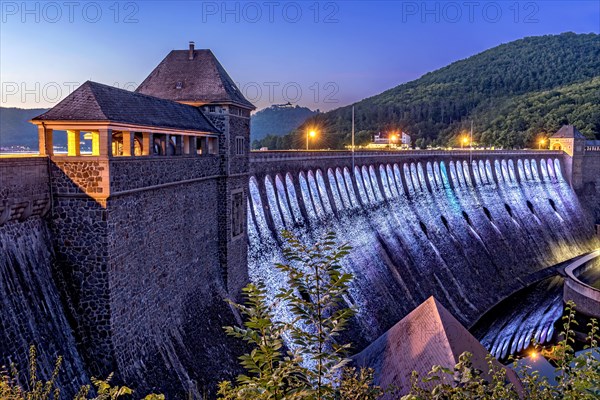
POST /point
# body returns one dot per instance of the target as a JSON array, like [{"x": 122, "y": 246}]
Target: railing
[{"x": 280, "y": 155}]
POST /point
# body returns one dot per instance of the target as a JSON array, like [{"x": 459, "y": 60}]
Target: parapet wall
[
  {"x": 273, "y": 162},
  {"x": 24, "y": 188}
]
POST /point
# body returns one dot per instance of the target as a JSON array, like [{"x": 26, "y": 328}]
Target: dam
[
  {"x": 470, "y": 227},
  {"x": 121, "y": 260}
]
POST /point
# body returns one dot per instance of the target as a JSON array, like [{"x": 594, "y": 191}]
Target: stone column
[
  {"x": 178, "y": 145},
  {"x": 128, "y": 143},
  {"x": 105, "y": 142},
  {"x": 95, "y": 143},
  {"x": 147, "y": 143},
  {"x": 204, "y": 145},
  {"x": 73, "y": 139},
  {"x": 46, "y": 147},
  {"x": 165, "y": 143},
  {"x": 193, "y": 145}
]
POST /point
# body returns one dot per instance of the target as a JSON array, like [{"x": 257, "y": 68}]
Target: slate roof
[
  {"x": 202, "y": 79},
  {"x": 94, "y": 101},
  {"x": 428, "y": 336},
  {"x": 568, "y": 131}
]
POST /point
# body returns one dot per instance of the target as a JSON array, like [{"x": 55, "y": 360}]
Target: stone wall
[
  {"x": 167, "y": 291},
  {"x": 589, "y": 193},
  {"x": 127, "y": 174},
  {"x": 239, "y": 128},
  {"x": 79, "y": 228},
  {"x": 24, "y": 188},
  {"x": 143, "y": 264},
  {"x": 233, "y": 195}
]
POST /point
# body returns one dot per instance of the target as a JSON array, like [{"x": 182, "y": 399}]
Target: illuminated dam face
[{"x": 470, "y": 232}]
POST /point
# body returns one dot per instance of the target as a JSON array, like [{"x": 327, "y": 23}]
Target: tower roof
[
  {"x": 193, "y": 76},
  {"x": 428, "y": 336},
  {"x": 94, "y": 101},
  {"x": 568, "y": 131}
]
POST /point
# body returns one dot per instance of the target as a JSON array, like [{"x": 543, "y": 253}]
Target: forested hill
[
  {"x": 513, "y": 92},
  {"x": 278, "y": 120}
]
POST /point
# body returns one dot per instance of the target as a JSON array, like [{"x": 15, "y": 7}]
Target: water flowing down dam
[
  {"x": 468, "y": 230},
  {"x": 30, "y": 309},
  {"x": 534, "y": 313}
]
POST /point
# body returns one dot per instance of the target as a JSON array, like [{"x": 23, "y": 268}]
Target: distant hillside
[
  {"x": 278, "y": 120},
  {"x": 513, "y": 92},
  {"x": 14, "y": 128}
]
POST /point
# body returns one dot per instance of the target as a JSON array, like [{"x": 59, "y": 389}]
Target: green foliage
[
  {"x": 317, "y": 286},
  {"x": 513, "y": 93},
  {"x": 38, "y": 390},
  {"x": 358, "y": 385},
  {"x": 10, "y": 389},
  {"x": 315, "y": 366},
  {"x": 271, "y": 373}
]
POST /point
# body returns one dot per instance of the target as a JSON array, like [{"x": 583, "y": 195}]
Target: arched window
[
  {"x": 137, "y": 145},
  {"x": 117, "y": 144},
  {"x": 556, "y": 146}
]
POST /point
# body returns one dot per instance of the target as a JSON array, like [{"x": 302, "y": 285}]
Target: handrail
[{"x": 270, "y": 155}]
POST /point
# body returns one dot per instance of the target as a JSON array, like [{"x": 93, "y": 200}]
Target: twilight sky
[{"x": 317, "y": 54}]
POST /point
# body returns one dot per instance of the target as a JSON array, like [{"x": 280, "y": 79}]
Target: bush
[{"x": 10, "y": 389}]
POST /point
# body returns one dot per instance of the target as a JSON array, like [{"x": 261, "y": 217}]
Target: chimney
[{"x": 191, "y": 51}]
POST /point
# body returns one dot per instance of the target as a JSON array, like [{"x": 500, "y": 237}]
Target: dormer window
[{"x": 179, "y": 85}]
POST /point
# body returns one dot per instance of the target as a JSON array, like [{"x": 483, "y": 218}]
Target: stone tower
[
  {"x": 195, "y": 77},
  {"x": 572, "y": 142},
  {"x": 148, "y": 218}
]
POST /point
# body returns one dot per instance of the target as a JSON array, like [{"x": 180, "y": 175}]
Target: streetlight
[
  {"x": 464, "y": 142},
  {"x": 542, "y": 143},
  {"x": 393, "y": 138},
  {"x": 311, "y": 134}
]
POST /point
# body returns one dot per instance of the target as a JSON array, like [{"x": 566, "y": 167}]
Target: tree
[{"x": 314, "y": 365}]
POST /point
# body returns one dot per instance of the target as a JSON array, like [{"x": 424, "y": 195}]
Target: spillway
[{"x": 468, "y": 232}]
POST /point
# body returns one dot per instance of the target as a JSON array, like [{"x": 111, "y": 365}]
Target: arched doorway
[{"x": 556, "y": 146}]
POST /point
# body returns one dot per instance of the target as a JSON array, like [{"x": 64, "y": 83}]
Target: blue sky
[{"x": 317, "y": 54}]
